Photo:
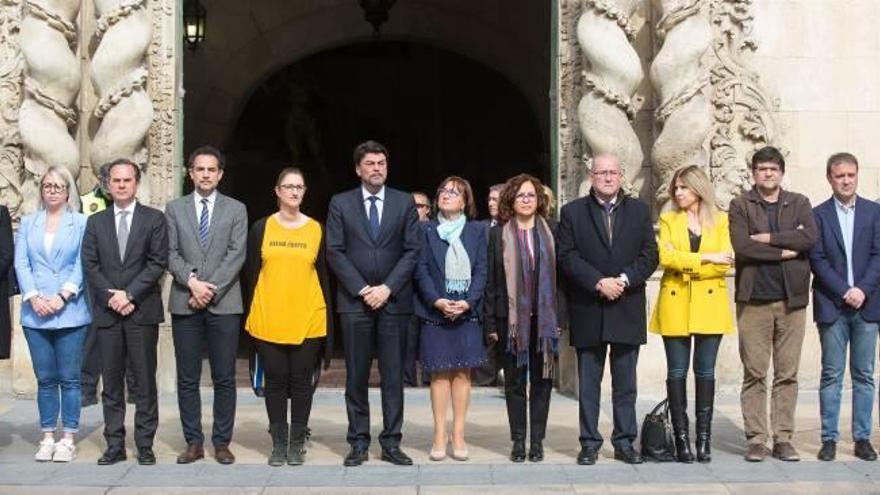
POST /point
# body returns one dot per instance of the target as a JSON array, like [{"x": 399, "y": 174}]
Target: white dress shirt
[
  {"x": 212, "y": 198},
  {"x": 117, "y": 210},
  {"x": 379, "y": 203}
]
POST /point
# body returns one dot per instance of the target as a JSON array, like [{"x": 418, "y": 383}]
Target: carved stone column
[{"x": 11, "y": 95}]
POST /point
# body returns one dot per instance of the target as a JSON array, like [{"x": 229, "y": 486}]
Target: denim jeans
[
  {"x": 57, "y": 358},
  {"x": 678, "y": 354},
  {"x": 850, "y": 328}
]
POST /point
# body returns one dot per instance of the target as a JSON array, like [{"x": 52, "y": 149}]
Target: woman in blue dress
[{"x": 450, "y": 278}]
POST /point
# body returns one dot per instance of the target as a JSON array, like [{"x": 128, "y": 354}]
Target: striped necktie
[{"x": 203, "y": 224}]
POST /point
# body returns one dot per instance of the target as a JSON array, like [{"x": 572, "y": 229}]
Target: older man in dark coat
[{"x": 607, "y": 251}]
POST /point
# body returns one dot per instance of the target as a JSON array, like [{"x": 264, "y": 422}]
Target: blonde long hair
[
  {"x": 67, "y": 178},
  {"x": 695, "y": 179}
]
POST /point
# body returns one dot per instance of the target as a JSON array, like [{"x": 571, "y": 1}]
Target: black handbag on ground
[{"x": 657, "y": 440}]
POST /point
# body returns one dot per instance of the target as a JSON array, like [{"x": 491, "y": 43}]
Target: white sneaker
[
  {"x": 65, "y": 451},
  {"x": 46, "y": 450}
]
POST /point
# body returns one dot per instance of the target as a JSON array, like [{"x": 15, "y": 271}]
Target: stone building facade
[{"x": 658, "y": 82}]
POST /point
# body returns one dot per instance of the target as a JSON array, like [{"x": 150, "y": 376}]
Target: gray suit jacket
[{"x": 218, "y": 263}]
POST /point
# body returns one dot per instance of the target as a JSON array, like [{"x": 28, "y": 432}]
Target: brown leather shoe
[
  {"x": 223, "y": 454},
  {"x": 193, "y": 452},
  {"x": 784, "y": 451},
  {"x": 756, "y": 452}
]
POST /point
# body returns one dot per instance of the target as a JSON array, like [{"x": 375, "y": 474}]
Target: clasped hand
[
  {"x": 451, "y": 309},
  {"x": 376, "y": 296},
  {"x": 611, "y": 288},
  {"x": 46, "y": 305},
  {"x": 119, "y": 302},
  {"x": 201, "y": 293}
]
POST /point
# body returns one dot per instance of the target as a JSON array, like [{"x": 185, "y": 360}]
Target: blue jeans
[
  {"x": 57, "y": 358},
  {"x": 678, "y": 355},
  {"x": 861, "y": 335}
]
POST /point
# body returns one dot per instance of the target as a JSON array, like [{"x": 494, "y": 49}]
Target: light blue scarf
[{"x": 458, "y": 264}]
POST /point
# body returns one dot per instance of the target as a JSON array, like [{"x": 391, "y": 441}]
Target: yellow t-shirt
[{"x": 288, "y": 305}]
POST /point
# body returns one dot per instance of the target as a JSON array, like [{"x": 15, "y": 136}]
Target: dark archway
[{"x": 439, "y": 113}]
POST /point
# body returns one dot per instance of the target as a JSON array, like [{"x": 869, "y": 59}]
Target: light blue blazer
[{"x": 45, "y": 273}]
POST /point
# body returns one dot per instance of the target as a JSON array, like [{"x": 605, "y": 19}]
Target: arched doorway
[{"x": 438, "y": 112}]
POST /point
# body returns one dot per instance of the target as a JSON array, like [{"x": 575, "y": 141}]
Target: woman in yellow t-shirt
[{"x": 287, "y": 294}]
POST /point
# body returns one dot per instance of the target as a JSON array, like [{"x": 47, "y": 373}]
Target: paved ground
[{"x": 487, "y": 472}]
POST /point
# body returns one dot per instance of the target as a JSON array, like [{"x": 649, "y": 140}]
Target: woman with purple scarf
[{"x": 521, "y": 309}]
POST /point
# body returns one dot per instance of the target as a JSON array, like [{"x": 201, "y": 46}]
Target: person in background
[
  {"x": 489, "y": 374},
  {"x": 54, "y": 312},
  {"x": 207, "y": 236},
  {"x": 846, "y": 303},
  {"x": 423, "y": 205},
  {"x": 772, "y": 231},
  {"x": 411, "y": 348},
  {"x": 286, "y": 289},
  {"x": 492, "y": 202},
  {"x": 450, "y": 278},
  {"x": 692, "y": 310},
  {"x": 521, "y": 310}
]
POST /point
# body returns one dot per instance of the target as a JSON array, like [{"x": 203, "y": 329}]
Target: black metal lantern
[
  {"x": 376, "y": 13},
  {"x": 194, "y": 20}
]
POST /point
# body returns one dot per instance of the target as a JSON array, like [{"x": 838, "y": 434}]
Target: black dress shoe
[
  {"x": 628, "y": 455},
  {"x": 396, "y": 456},
  {"x": 146, "y": 457},
  {"x": 865, "y": 451},
  {"x": 536, "y": 452},
  {"x": 356, "y": 456},
  {"x": 111, "y": 456},
  {"x": 828, "y": 451},
  {"x": 518, "y": 452},
  {"x": 587, "y": 456}
]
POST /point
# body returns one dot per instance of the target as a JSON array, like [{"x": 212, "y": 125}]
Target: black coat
[
  {"x": 586, "y": 256},
  {"x": 7, "y": 281},
  {"x": 146, "y": 257},
  {"x": 358, "y": 261}
]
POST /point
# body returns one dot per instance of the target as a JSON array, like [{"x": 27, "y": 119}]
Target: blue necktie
[
  {"x": 374, "y": 217},
  {"x": 203, "y": 223}
]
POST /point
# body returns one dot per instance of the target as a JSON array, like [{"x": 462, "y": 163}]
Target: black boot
[
  {"x": 296, "y": 450},
  {"x": 279, "y": 444},
  {"x": 676, "y": 391},
  {"x": 705, "y": 403}
]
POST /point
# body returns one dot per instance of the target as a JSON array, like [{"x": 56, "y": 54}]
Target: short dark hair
[
  {"x": 368, "y": 147},
  {"x": 206, "y": 150},
  {"x": 467, "y": 194},
  {"x": 838, "y": 158},
  {"x": 511, "y": 188},
  {"x": 124, "y": 161},
  {"x": 768, "y": 154}
]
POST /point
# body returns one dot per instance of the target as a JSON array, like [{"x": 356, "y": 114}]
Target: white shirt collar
[
  {"x": 211, "y": 198},
  {"x": 843, "y": 207},
  {"x": 129, "y": 209},
  {"x": 366, "y": 194}
]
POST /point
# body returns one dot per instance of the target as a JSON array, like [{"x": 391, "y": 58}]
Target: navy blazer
[
  {"x": 358, "y": 260},
  {"x": 828, "y": 261},
  {"x": 430, "y": 274}
]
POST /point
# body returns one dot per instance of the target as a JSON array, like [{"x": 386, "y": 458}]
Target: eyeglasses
[
  {"x": 608, "y": 173},
  {"x": 422, "y": 206},
  {"x": 293, "y": 187},
  {"x": 449, "y": 192},
  {"x": 526, "y": 196},
  {"x": 49, "y": 187}
]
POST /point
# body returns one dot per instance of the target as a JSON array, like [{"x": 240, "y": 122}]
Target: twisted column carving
[
  {"x": 11, "y": 94},
  {"x": 52, "y": 82},
  {"x": 682, "y": 80},
  {"x": 119, "y": 74},
  {"x": 613, "y": 73}
]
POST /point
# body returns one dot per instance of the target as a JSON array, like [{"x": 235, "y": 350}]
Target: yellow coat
[{"x": 693, "y": 295}]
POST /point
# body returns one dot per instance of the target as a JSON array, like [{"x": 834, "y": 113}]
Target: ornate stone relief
[
  {"x": 162, "y": 138},
  {"x": 612, "y": 74},
  {"x": 119, "y": 75},
  {"x": 11, "y": 94},
  {"x": 712, "y": 109},
  {"x": 52, "y": 81}
]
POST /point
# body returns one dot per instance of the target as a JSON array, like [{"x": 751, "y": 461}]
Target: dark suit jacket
[
  {"x": 359, "y": 261},
  {"x": 586, "y": 256},
  {"x": 430, "y": 274},
  {"x": 7, "y": 281},
  {"x": 828, "y": 261},
  {"x": 146, "y": 256}
]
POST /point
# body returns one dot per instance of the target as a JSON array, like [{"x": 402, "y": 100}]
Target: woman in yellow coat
[{"x": 692, "y": 309}]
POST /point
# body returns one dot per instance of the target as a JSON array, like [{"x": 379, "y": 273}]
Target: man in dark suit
[
  {"x": 846, "y": 303},
  {"x": 607, "y": 251},
  {"x": 125, "y": 252},
  {"x": 373, "y": 244},
  {"x": 207, "y": 235}
]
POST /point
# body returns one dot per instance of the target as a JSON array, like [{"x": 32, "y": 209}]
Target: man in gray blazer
[{"x": 207, "y": 235}]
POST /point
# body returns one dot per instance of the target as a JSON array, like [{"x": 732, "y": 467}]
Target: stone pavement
[{"x": 487, "y": 472}]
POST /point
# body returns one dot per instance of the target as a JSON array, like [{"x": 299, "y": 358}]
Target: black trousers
[
  {"x": 591, "y": 368},
  {"x": 137, "y": 343},
  {"x": 289, "y": 370},
  {"x": 366, "y": 334},
  {"x": 411, "y": 353},
  {"x": 191, "y": 334},
  {"x": 91, "y": 365},
  {"x": 521, "y": 411}
]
